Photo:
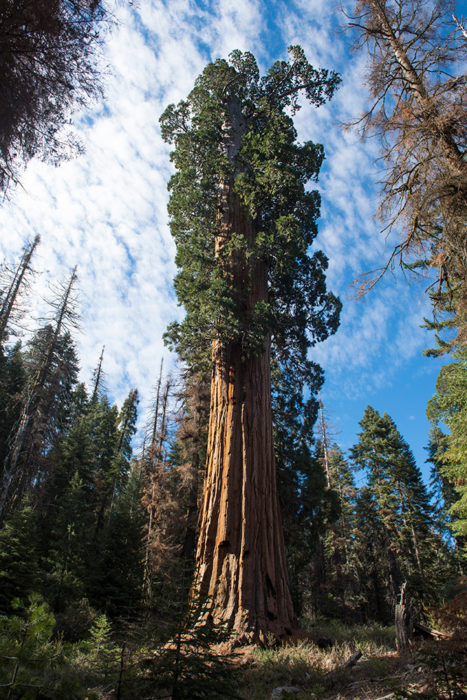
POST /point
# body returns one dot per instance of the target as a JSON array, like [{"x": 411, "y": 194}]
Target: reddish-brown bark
[{"x": 241, "y": 561}]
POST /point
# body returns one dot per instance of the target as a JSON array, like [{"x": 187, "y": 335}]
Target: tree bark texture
[
  {"x": 416, "y": 85},
  {"x": 241, "y": 563},
  {"x": 403, "y": 621}
]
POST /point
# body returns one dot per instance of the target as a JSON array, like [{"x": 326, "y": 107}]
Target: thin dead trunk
[
  {"x": 156, "y": 409},
  {"x": 11, "y": 296},
  {"x": 403, "y": 621},
  {"x": 417, "y": 87},
  {"x": 17, "y": 467},
  {"x": 98, "y": 377},
  {"x": 325, "y": 443}
]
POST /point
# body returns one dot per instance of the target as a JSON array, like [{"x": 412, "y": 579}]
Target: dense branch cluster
[
  {"x": 415, "y": 49},
  {"x": 48, "y": 65},
  {"x": 268, "y": 174}
]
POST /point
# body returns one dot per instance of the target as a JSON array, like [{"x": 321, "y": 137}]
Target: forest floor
[{"x": 431, "y": 670}]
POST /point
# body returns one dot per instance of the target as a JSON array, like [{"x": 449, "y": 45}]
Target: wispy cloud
[{"x": 106, "y": 211}]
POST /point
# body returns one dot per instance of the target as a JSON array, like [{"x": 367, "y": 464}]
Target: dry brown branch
[{"x": 418, "y": 112}]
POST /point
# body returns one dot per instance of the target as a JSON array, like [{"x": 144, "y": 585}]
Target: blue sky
[{"x": 106, "y": 210}]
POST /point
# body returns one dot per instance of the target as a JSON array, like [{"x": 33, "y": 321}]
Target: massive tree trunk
[{"x": 241, "y": 562}]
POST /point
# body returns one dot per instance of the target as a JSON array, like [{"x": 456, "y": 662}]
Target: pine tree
[
  {"x": 377, "y": 569},
  {"x": 398, "y": 505},
  {"x": 12, "y": 385},
  {"x": 126, "y": 430},
  {"x": 49, "y": 67},
  {"x": 114, "y": 581},
  {"x": 341, "y": 562},
  {"x": 442, "y": 489},
  {"x": 64, "y": 530},
  {"x": 19, "y": 566},
  {"x": 243, "y": 223},
  {"x": 449, "y": 405},
  {"x": 10, "y": 298},
  {"x": 415, "y": 49},
  {"x": 300, "y": 477},
  {"x": 30, "y": 433},
  {"x": 97, "y": 377}
]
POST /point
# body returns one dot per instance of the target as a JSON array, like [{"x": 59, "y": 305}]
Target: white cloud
[{"x": 106, "y": 211}]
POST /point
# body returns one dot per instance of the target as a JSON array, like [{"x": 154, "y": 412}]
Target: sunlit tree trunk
[
  {"x": 241, "y": 557},
  {"x": 241, "y": 562}
]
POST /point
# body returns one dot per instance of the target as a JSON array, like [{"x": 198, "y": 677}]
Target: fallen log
[
  {"x": 352, "y": 660},
  {"x": 334, "y": 674},
  {"x": 428, "y": 632}
]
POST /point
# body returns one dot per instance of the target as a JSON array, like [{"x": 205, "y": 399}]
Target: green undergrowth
[
  {"x": 194, "y": 659},
  {"x": 369, "y": 638},
  {"x": 306, "y": 666}
]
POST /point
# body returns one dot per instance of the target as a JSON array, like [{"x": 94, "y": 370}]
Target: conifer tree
[
  {"x": 49, "y": 67},
  {"x": 397, "y": 503},
  {"x": 442, "y": 489},
  {"x": 12, "y": 384},
  {"x": 449, "y": 405},
  {"x": 30, "y": 430},
  {"x": 19, "y": 566},
  {"x": 301, "y": 480},
  {"x": 98, "y": 377},
  {"x": 126, "y": 429},
  {"x": 243, "y": 223},
  {"x": 114, "y": 580},
  {"x": 377, "y": 568},
  {"x": 415, "y": 50},
  {"x": 341, "y": 563},
  {"x": 9, "y": 299}
]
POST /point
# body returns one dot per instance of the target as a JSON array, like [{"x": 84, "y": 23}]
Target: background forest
[
  {"x": 98, "y": 542},
  {"x": 99, "y": 504}
]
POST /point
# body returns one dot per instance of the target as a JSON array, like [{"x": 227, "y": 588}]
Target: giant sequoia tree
[{"x": 243, "y": 224}]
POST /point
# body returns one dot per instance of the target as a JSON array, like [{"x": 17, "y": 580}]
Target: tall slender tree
[
  {"x": 402, "y": 518},
  {"x": 339, "y": 539},
  {"x": 11, "y": 295},
  {"x": 98, "y": 378},
  {"x": 17, "y": 466},
  {"x": 415, "y": 50},
  {"x": 243, "y": 223},
  {"x": 449, "y": 405}
]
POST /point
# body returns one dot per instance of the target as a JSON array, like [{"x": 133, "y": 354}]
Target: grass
[{"x": 306, "y": 666}]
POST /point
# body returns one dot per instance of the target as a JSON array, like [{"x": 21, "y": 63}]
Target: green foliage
[
  {"x": 101, "y": 651},
  {"x": 31, "y": 661},
  {"x": 396, "y": 539},
  {"x": 12, "y": 381},
  {"x": 241, "y": 216},
  {"x": 114, "y": 581},
  {"x": 191, "y": 664},
  {"x": 342, "y": 587},
  {"x": 49, "y": 68},
  {"x": 449, "y": 406},
  {"x": 268, "y": 173},
  {"x": 19, "y": 569}
]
